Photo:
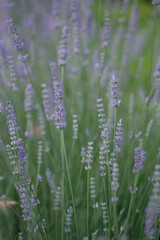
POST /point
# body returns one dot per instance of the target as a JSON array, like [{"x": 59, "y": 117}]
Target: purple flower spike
[
  {"x": 23, "y": 58},
  {"x": 139, "y": 158},
  {"x": 115, "y": 91},
  {"x": 39, "y": 178},
  {"x": 119, "y": 136},
  {"x": 62, "y": 53},
  {"x": 18, "y": 43},
  {"x": 155, "y": 2},
  {"x": 59, "y": 112}
]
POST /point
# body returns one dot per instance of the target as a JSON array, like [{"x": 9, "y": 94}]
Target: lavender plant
[{"x": 79, "y": 120}]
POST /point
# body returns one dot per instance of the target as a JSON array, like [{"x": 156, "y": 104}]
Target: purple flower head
[
  {"x": 118, "y": 136},
  {"x": 29, "y": 98},
  {"x": 155, "y": 2},
  {"x": 89, "y": 156},
  {"x": 62, "y": 52},
  {"x": 23, "y": 58},
  {"x": 18, "y": 43},
  {"x": 139, "y": 158},
  {"x": 12, "y": 124},
  {"x": 115, "y": 91},
  {"x": 59, "y": 112},
  {"x": 106, "y": 31},
  {"x": 47, "y": 96},
  {"x": 39, "y": 178}
]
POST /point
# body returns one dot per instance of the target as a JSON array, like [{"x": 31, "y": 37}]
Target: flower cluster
[
  {"x": 152, "y": 210},
  {"x": 59, "y": 112},
  {"x": 17, "y": 41},
  {"x": 118, "y": 136},
  {"x": 115, "y": 91},
  {"x": 62, "y": 53},
  {"x": 89, "y": 156},
  {"x": 68, "y": 222},
  {"x": 102, "y": 161},
  {"x": 75, "y": 127},
  {"x": 139, "y": 158},
  {"x": 155, "y": 2},
  {"x": 47, "y": 102}
]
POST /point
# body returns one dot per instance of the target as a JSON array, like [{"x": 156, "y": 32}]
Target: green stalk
[
  {"x": 88, "y": 204},
  {"x": 69, "y": 179},
  {"x": 115, "y": 222},
  {"x": 62, "y": 220},
  {"x": 109, "y": 225},
  {"x": 131, "y": 203}
]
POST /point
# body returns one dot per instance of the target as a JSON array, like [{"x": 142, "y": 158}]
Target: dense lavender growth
[{"x": 79, "y": 120}]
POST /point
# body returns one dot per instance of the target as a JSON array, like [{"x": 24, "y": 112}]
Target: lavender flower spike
[
  {"x": 155, "y": 2},
  {"x": 115, "y": 91},
  {"x": 59, "y": 113},
  {"x": 139, "y": 158},
  {"x": 62, "y": 53},
  {"x": 18, "y": 43}
]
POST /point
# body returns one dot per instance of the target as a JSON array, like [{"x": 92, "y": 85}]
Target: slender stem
[
  {"x": 109, "y": 225},
  {"x": 69, "y": 179},
  {"x": 62, "y": 220},
  {"x": 131, "y": 202},
  {"x": 115, "y": 222},
  {"x": 80, "y": 173},
  {"x": 88, "y": 204}
]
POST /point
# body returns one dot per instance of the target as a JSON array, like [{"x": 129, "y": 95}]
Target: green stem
[
  {"x": 62, "y": 220},
  {"x": 131, "y": 202},
  {"x": 88, "y": 204},
  {"x": 109, "y": 225},
  {"x": 69, "y": 179}
]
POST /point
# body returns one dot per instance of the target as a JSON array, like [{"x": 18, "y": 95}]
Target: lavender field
[{"x": 79, "y": 120}]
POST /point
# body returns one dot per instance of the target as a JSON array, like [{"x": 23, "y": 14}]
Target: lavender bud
[
  {"x": 118, "y": 136},
  {"x": 106, "y": 30},
  {"x": 92, "y": 188},
  {"x": 59, "y": 112},
  {"x": 139, "y": 158},
  {"x": 104, "y": 215},
  {"x": 114, "y": 175},
  {"x": 89, "y": 157},
  {"x": 68, "y": 222},
  {"x": 41, "y": 121},
  {"x": 102, "y": 161},
  {"x": 152, "y": 210},
  {"x": 47, "y": 102},
  {"x": 115, "y": 91},
  {"x": 75, "y": 127},
  {"x": 62, "y": 53},
  {"x": 12, "y": 124},
  {"x": 101, "y": 114},
  {"x": 29, "y": 98},
  {"x": 40, "y": 152},
  {"x": 39, "y": 178},
  {"x": 23, "y": 58},
  {"x": 57, "y": 200},
  {"x": 18, "y": 43},
  {"x": 83, "y": 155},
  {"x": 12, "y": 73},
  {"x": 51, "y": 180},
  {"x": 155, "y": 2}
]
